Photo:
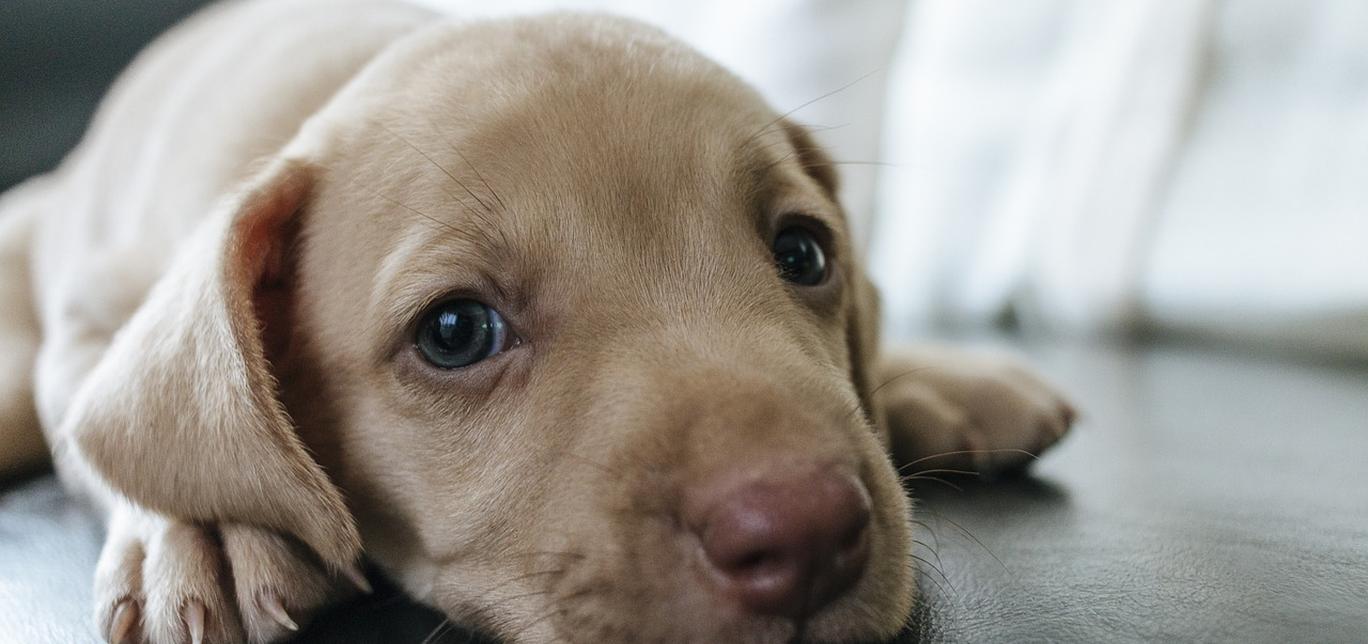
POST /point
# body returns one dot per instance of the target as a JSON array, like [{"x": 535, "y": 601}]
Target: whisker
[
  {"x": 923, "y": 524},
  {"x": 813, "y": 127},
  {"x": 477, "y": 233},
  {"x": 955, "y": 594},
  {"x": 425, "y": 155},
  {"x": 859, "y": 407},
  {"x": 478, "y": 174},
  {"x": 934, "y": 479},
  {"x": 938, "y": 571},
  {"x": 411, "y": 209},
  {"x": 437, "y": 631},
  {"x": 942, "y": 517},
  {"x": 769, "y": 166},
  {"x": 935, "y": 539},
  {"x": 789, "y": 113},
  {"x": 900, "y": 376},
  {"x": 971, "y": 451},
  {"x": 882, "y": 164},
  {"x": 932, "y": 550},
  {"x": 939, "y": 471}
]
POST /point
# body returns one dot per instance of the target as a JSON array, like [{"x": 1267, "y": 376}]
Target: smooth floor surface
[{"x": 1206, "y": 495}]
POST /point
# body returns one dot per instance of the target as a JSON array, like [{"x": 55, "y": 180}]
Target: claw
[
  {"x": 194, "y": 621},
  {"x": 357, "y": 578},
  {"x": 125, "y": 617},
  {"x": 270, "y": 604}
]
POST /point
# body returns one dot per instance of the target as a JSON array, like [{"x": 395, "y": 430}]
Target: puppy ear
[
  {"x": 862, "y": 300},
  {"x": 862, "y": 337},
  {"x": 181, "y": 414}
]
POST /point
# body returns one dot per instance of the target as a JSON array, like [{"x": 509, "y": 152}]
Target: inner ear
[
  {"x": 815, "y": 161},
  {"x": 274, "y": 241},
  {"x": 260, "y": 259}
]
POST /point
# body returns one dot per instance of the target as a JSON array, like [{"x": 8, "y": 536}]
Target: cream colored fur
[{"x": 210, "y": 309}]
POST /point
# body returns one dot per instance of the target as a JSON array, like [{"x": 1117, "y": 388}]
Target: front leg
[
  {"x": 165, "y": 581},
  {"x": 946, "y": 408}
]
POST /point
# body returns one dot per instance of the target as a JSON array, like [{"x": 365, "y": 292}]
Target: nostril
[
  {"x": 754, "y": 561},
  {"x": 854, "y": 536}
]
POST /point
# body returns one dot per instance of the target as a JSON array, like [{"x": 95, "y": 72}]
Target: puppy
[{"x": 555, "y": 320}]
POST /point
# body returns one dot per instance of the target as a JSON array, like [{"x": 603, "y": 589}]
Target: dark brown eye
[
  {"x": 799, "y": 257},
  {"x": 459, "y": 333}
]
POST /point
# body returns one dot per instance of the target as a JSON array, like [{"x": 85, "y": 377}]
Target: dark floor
[
  {"x": 1205, "y": 496},
  {"x": 57, "y": 57}
]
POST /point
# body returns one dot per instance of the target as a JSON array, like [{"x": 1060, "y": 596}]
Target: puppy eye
[
  {"x": 459, "y": 333},
  {"x": 799, "y": 257}
]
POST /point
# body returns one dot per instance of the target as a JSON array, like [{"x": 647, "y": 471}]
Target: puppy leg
[
  {"x": 119, "y": 598},
  {"x": 165, "y": 581},
  {"x": 19, "y": 337},
  {"x": 158, "y": 581},
  {"x": 953, "y": 409},
  {"x": 278, "y": 582}
]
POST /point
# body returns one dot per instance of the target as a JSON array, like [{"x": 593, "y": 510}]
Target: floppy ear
[
  {"x": 862, "y": 336},
  {"x": 181, "y": 414},
  {"x": 862, "y": 299}
]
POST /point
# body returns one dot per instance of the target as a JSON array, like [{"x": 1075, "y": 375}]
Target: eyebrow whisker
[
  {"x": 478, "y": 174},
  {"x": 789, "y": 113},
  {"x": 413, "y": 210},
  {"x": 438, "y": 129},
  {"x": 488, "y": 209},
  {"x": 503, "y": 206}
]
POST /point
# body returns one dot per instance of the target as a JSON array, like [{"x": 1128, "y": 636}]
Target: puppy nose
[{"x": 790, "y": 544}]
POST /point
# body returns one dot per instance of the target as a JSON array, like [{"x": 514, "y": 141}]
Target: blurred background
[{"x": 1187, "y": 168}]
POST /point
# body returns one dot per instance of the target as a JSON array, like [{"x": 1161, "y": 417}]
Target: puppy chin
[
  {"x": 682, "y": 610},
  {"x": 857, "y": 619},
  {"x": 876, "y": 610}
]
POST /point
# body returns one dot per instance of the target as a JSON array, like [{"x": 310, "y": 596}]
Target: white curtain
[{"x": 1099, "y": 167}]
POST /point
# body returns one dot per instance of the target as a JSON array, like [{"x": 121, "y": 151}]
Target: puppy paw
[
  {"x": 164, "y": 581},
  {"x": 955, "y": 410}
]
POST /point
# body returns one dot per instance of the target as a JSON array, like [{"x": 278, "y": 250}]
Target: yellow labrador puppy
[{"x": 553, "y": 319}]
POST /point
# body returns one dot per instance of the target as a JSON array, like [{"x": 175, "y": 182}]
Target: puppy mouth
[
  {"x": 821, "y": 627},
  {"x": 437, "y": 628}
]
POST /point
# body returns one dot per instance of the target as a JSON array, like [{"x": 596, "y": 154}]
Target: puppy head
[{"x": 573, "y": 319}]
